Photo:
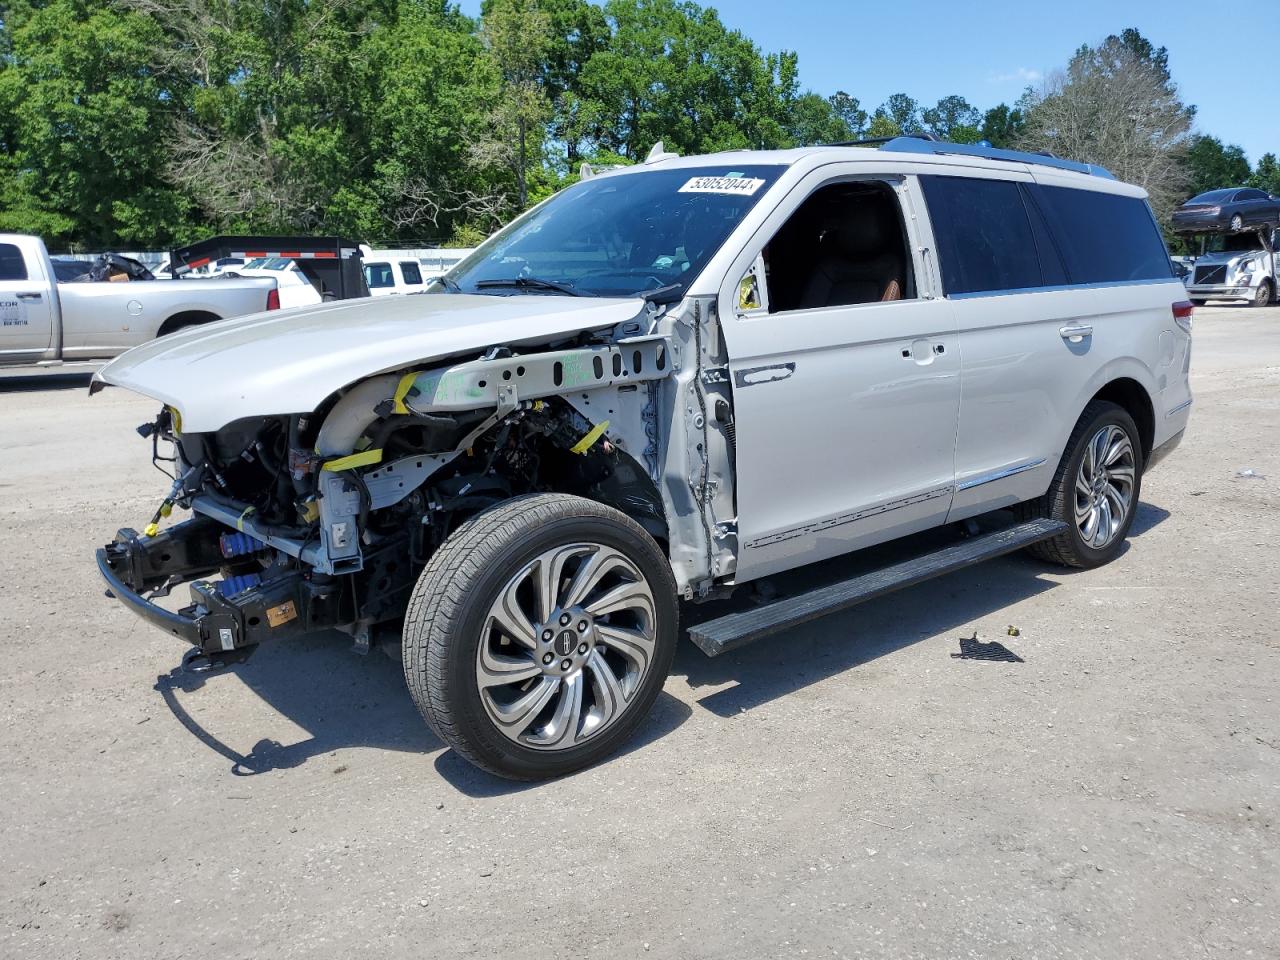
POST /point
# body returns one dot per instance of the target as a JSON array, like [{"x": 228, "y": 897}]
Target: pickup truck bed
[{"x": 42, "y": 320}]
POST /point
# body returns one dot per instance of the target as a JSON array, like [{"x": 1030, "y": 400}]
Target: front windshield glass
[
  {"x": 620, "y": 235},
  {"x": 1218, "y": 243}
]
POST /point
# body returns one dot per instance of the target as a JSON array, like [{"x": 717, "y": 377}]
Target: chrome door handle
[
  {"x": 30, "y": 297},
  {"x": 1076, "y": 332}
]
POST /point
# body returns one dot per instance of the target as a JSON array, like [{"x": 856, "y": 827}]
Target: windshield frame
[{"x": 463, "y": 276}]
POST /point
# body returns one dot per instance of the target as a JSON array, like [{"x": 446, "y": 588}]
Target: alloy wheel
[
  {"x": 1104, "y": 486},
  {"x": 566, "y": 646}
]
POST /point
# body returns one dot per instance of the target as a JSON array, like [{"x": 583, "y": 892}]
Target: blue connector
[
  {"x": 232, "y": 586},
  {"x": 239, "y": 545}
]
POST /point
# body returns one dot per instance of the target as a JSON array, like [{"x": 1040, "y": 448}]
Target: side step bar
[{"x": 735, "y": 630}]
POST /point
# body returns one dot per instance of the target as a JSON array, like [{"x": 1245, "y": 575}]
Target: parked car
[
  {"x": 387, "y": 277},
  {"x": 295, "y": 289},
  {"x": 1240, "y": 266},
  {"x": 46, "y": 320},
  {"x": 1236, "y": 209},
  {"x": 663, "y": 383}
]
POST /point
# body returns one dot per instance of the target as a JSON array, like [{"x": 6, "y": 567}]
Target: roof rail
[
  {"x": 881, "y": 141},
  {"x": 919, "y": 145}
]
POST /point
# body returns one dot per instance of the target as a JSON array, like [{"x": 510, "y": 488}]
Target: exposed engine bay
[{"x": 325, "y": 520}]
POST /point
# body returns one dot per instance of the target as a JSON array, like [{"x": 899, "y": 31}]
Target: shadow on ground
[{"x": 344, "y": 700}]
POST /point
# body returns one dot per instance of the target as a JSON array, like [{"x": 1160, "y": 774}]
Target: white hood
[{"x": 289, "y": 361}]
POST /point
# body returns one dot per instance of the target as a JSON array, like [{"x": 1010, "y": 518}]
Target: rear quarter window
[
  {"x": 412, "y": 273},
  {"x": 984, "y": 237},
  {"x": 12, "y": 266},
  {"x": 1104, "y": 237}
]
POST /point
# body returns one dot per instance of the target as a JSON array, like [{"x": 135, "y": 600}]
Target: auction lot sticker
[{"x": 729, "y": 186}]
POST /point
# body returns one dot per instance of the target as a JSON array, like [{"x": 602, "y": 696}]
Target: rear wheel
[
  {"x": 540, "y": 634},
  {"x": 1237, "y": 223},
  {"x": 1095, "y": 490},
  {"x": 1197, "y": 303}
]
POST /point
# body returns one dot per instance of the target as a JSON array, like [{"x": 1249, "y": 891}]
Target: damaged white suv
[{"x": 659, "y": 384}]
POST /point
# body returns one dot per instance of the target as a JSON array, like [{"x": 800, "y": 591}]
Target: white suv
[{"x": 662, "y": 383}]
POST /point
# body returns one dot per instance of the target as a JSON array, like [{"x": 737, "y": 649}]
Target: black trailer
[{"x": 332, "y": 264}]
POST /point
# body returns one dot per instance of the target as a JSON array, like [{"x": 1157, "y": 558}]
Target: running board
[{"x": 714, "y": 637}]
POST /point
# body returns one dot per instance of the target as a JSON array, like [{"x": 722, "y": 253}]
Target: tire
[
  {"x": 1073, "y": 548},
  {"x": 1262, "y": 297},
  {"x": 1237, "y": 223},
  {"x": 1198, "y": 303},
  {"x": 518, "y": 697}
]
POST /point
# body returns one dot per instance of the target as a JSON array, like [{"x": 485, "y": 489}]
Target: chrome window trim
[{"x": 1062, "y": 288}]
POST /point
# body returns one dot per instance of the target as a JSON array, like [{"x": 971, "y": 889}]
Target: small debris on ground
[
  {"x": 340, "y": 768},
  {"x": 1248, "y": 473},
  {"x": 1012, "y": 631}
]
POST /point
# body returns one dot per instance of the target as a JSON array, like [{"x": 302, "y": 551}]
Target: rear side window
[
  {"x": 12, "y": 266},
  {"x": 412, "y": 273},
  {"x": 983, "y": 234},
  {"x": 1104, "y": 238}
]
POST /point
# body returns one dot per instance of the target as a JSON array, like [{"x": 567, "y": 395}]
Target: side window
[
  {"x": 412, "y": 272},
  {"x": 1104, "y": 237},
  {"x": 1251, "y": 195},
  {"x": 983, "y": 235},
  {"x": 1052, "y": 268},
  {"x": 845, "y": 245},
  {"x": 379, "y": 275},
  {"x": 12, "y": 266}
]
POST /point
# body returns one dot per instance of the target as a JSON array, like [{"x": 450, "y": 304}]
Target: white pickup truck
[{"x": 45, "y": 322}]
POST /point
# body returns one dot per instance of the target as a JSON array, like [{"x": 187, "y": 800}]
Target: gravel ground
[{"x": 847, "y": 790}]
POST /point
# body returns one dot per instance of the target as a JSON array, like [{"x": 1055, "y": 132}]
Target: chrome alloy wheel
[
  {"x": 1104, "y": 486},
  {"x": 566, "y": 646}
]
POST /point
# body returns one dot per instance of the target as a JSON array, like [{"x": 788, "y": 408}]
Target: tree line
[{"x": 143, "y": 123}]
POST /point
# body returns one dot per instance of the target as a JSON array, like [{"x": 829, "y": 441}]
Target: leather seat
[{"x": 860, "y": 261}]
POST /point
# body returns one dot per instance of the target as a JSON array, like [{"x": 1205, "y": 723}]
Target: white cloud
[{"x": 1020, "y": 75}]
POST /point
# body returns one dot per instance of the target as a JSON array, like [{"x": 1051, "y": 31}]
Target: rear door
[
  {"x": 1055, "y": 293},
  {"x": 26, "y": 313}
]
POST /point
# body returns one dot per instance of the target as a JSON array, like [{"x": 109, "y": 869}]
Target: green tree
[
  {"x": 813, "y": 119},
  {"x": 951, "y": 118},
  {"x": 1267, "y": 175},
  {"x": 672, "y": 71},
  {"x": 517, "y": 35},
  {"x": 1002, "y": 125},
  {"x": 79, "y": 111},
  {"x": 902, "y": 111},
  {"x": 1212, "y": 165},
  {"x": 849, "y": 109},
  {"x": 1116, "y": 105}
]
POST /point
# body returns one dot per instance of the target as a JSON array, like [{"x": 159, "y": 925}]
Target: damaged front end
[{"x": 325, "y": 520}]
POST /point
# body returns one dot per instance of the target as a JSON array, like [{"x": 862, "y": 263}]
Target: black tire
[
  {"x": 1198, "y": 303},
  {"x": 1069, "y": 548},
  {"x": 447, "y": 616},
  {"x": 1263, "y": 297}
]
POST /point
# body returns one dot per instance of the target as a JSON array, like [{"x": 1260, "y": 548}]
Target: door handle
[
  {"x": 30, "y": 297},
  {"x": 1076, "y": 332}
]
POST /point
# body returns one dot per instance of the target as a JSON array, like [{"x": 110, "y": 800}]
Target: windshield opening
[
  {"x": 1228, "y": 243},
  {"x": 618, "y": 236}
]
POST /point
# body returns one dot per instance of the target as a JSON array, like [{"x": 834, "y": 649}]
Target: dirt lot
[{"x": 847, "y": 790}]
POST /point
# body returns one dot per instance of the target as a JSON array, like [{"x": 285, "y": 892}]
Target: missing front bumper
[{"x": 286, "y": 605}]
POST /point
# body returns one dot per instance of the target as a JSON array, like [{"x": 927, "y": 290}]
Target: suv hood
[{"x": 290, "y": 361}]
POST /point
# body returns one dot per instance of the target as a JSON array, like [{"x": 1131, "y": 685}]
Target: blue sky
[{"x": 988, "y": 52}]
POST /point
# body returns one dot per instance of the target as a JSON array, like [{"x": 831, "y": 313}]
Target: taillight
[
  {"x": 273, "y": 299},
  {"x": 1182, "y": 313}
]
